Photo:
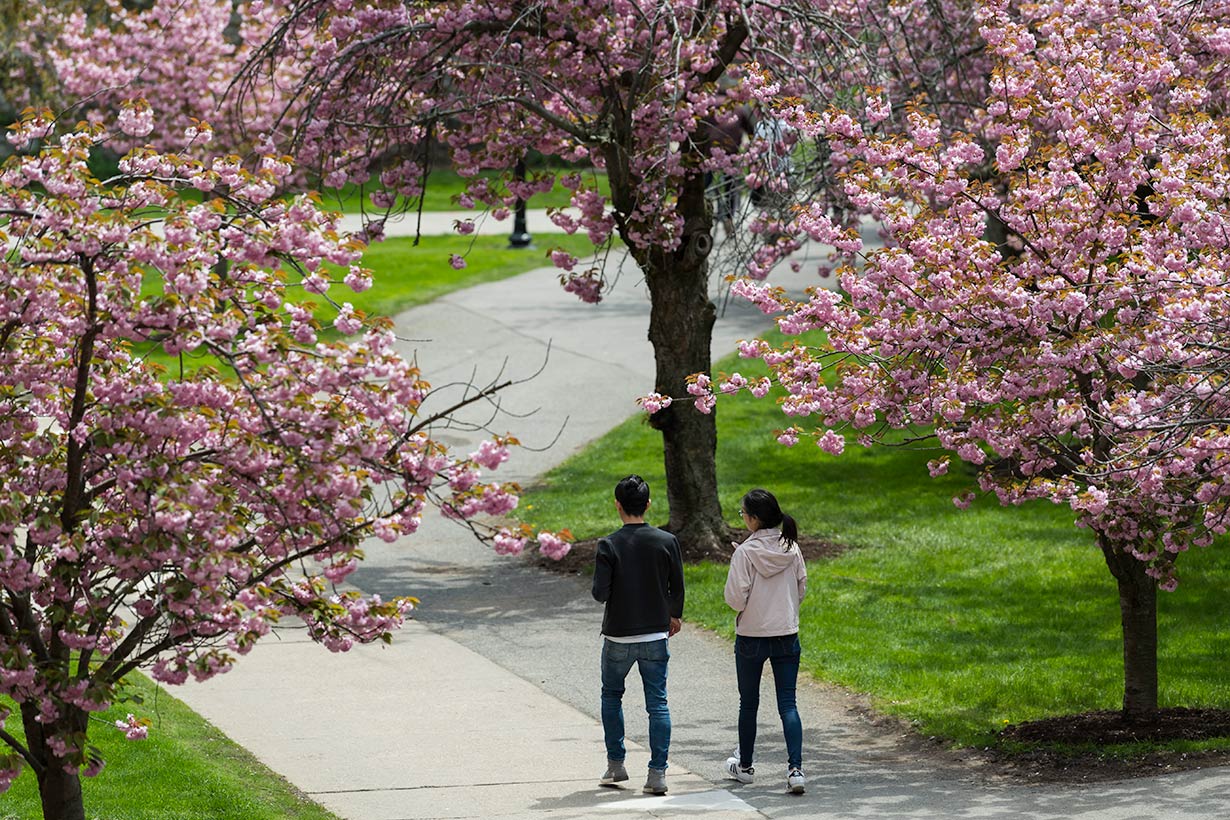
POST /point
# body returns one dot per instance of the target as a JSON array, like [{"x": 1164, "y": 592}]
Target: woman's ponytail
[
  {"x": 762, "y": 505},
  {"x": 790, "y": 531}
]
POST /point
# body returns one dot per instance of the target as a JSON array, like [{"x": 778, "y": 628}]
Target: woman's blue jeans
[
  {"x": 617, "y": 661},
  {"x": 783, "y": 653}
]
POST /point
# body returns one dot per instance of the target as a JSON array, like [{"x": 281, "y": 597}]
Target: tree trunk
[
  {"x": 681, "y": 319},
  {"x": 1138, "y": 615},
  {"x": 60, "y": 793},
  {"x": 59, "y": 790}
]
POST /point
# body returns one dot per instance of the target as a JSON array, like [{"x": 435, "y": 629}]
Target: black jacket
[{"x": 638, "y": 573}]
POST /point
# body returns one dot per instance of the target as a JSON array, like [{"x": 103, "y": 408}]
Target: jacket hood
[{"x": 767, "y": 552}]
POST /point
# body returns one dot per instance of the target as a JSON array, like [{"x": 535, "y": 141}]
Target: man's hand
[{"x": 676, "y": 625}]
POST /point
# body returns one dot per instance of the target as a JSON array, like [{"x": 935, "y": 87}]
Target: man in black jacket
[{"x": 639, "y": 576}]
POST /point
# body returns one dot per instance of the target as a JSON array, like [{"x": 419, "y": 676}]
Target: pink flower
[
  {"x": 832, "y": 443},
  {"x": 563, "y": 260},
  {"x": 456, "y": 261},
  {"x": 553, "y": 546},
  {"x": 878, "y": 109},
  {"x": 384, "y": 200},
  {"x": 752, "y": 349},
  {"x": 358, "y": 279},
  {"x": 136, "y": 119},
  {"x": 587, "y": 286},
  {"x": 654, "y": 402},
  {"x": 700, "y": 387},
  {"x": 337, "y": 573},
  {"x": 134, "y": 728},
  {"x": 7, "y": 776},
  {"x": 490, "y": 454},
  {"x": 505, "y": 543},
  {"x": 733, "y": 384},
  {"x": 347, "y": 322}
]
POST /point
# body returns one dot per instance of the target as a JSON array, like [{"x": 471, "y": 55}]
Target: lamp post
[{"x": 520, "y": 236}]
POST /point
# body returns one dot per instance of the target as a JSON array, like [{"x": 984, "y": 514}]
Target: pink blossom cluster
[
  {"x": 701, "y": 386},
  {"x": 654, "y": 402},
  {"x": 553, "y": 546},
  {"x": 586, "y": 286},
  {"x": 507, "y": 542},
  {"x": 104, "y": 62},
  {"x": 491, "y": 453},
  {"x": 134, "y": 728}
]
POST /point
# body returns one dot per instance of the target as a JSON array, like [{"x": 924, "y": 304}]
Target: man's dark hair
[{"x": 632, "y": 493}]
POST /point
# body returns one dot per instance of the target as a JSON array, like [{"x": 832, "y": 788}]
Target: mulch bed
[
  {"x": 1087, "y": 731},
  {"x": 1090, "y": 730},
  {"x": 1107, "y": 727}
]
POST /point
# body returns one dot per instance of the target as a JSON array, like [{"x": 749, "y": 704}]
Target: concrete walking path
[{"x": 487, "y": 704}]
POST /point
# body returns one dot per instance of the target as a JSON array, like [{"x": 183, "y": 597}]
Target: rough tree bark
[
  {"x": 1138, "y": 615},
  {"x": 58, "y": 790},
  {"x": 681, "y": 321}
]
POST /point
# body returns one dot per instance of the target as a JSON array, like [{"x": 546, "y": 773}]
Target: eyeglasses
[{"x": 743, "y": 513}]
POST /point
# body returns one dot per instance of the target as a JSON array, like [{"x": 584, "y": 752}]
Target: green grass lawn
[
  {"x": 959, "y": 621},
  {"x": 185, "y": 770},
  {"x": 444, "y": 186},
  {"x": 405, "y": 274}
]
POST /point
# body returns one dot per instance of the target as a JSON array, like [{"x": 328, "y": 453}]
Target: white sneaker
[
  {"x": 795, "y": 781},
  {"x": 736, "y": 772}
]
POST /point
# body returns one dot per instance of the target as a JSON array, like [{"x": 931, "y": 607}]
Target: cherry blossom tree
[
  {"x": 27, "y": 76},
  {"x": 1050, "y": 305},
  {"x": 631, "y": 87},
  {"x": 178, "y": 56},
  {"x": 167, "y": 516}
]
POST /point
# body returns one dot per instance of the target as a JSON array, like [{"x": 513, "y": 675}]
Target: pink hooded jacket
[{"x": 766, "y": 582}]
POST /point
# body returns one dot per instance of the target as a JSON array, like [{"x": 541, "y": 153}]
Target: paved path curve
[{"x": 487, "y": 705}]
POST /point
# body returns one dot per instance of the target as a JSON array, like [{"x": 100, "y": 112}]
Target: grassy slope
[
  {"x": 185, "y": 770},
  {"x": 958, "y": 620}
]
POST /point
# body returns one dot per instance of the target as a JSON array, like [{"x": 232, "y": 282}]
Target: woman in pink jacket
[{"x": 766, "y": 582}]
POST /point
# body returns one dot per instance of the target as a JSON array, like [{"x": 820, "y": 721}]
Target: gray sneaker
[
  {"x": 656, "y": 782},
  {"x": 795, "y": 782},
  {"x": 615, "y": 773}
]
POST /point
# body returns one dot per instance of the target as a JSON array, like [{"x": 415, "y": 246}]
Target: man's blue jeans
[
  {"x": 617, "y": 660},
  {"x": 783, "y": 653}
]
